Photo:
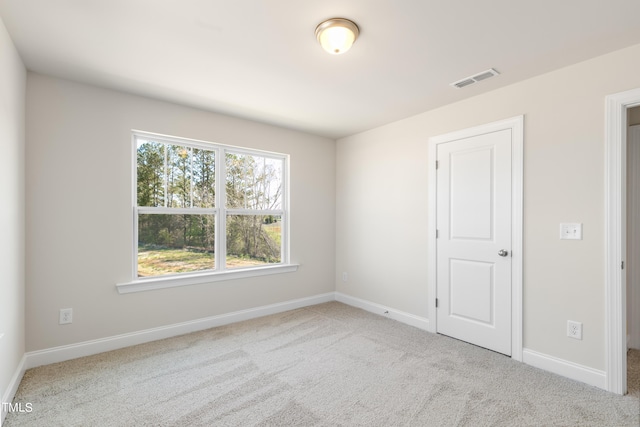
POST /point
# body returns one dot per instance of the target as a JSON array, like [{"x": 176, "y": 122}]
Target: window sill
[{"x": 148, "y": 284}]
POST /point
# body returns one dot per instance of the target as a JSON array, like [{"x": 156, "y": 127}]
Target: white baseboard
[
  {"x": 565, "y": 368},
  {"x": 87, "y": 348},
  {"x": 552, "y": 364},
  {"x": 391, "y": 313},
  {"x": 13, "y": 387},
  {"x": 32, "y": 359}
]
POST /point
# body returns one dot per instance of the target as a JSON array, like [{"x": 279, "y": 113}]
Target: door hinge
[
  {"x": 622, "y": 266},
  {"x": 436, "y": 302},
  {"x": 437, "y": 234},
  {"x": 437, "y": 163}
]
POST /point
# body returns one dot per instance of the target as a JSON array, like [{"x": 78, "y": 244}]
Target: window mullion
[
  {"x": 254, "y": 211},
  {"x": 176, "y": 211}
]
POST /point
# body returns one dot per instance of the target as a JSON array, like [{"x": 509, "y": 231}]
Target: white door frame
[
  {"x": 615, "y": 229},
  {"x": 516, "y": 125}
]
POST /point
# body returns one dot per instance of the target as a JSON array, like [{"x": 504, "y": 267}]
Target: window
[
  {"x": 254, "y": 209},
  {"x": 203, "y": 208}
]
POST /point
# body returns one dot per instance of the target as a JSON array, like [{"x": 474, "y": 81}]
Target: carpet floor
[
  {"x": 325, "y": 365},
  {"x": 633, "y": 372}
]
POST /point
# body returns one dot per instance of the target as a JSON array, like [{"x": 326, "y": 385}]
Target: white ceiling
[{"x": 258, "y": 59}]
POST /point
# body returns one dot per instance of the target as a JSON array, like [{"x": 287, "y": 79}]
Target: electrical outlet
[
  {"x": 574, "y": 329},
  {"x": 345, "y": 276},
  {"x": 66, "y": 316}
]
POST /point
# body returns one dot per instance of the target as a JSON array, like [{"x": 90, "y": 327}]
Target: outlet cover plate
[
  {"x": 574, "y": 329},
  {"x": 66, "y": 316}
]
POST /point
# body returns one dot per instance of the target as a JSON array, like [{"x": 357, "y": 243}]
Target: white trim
[
  {"x": 432, "y": 277},
  {"x": 162, "y": 282},
  {"x": 160, "y": 210},
  {"x": 564, "y": 368},
  {"x": 264, "y": 212},
  {"x": 516, "y": 125},
  {"x": 133, "y": 179},
  {"x": 87, "y": 348},
  {"x": 616, "y": 106},
  {"x": 391, "y": 313},
  {"x": 517, "y": 227},
  {"x": 207, "y": 145},
  {"x": 13, "y": 387}
]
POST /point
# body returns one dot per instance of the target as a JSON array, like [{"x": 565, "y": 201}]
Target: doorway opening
[
  {"x": 619, "y": 108},
  {"x": 633, "y": 251}
]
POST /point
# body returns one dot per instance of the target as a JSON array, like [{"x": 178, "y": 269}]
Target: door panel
[
  {"x": 470, "y": 180},
  {"x": 474, "y": 222},
  {"x": 471, "y": 290}
]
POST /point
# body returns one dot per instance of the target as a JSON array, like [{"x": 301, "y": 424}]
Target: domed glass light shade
[{"x": 336, "y": 35}]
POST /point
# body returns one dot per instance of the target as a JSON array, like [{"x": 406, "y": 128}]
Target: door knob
[{"x": 503, "y": 252}]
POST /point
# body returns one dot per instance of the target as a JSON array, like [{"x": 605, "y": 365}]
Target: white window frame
[{"x": 220, "y": 211}]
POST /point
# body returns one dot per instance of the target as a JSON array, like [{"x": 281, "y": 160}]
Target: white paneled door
[{"x": 473, "y": 219}]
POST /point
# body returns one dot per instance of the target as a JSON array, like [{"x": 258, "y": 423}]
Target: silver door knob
[{"x": 502, "y": 252}]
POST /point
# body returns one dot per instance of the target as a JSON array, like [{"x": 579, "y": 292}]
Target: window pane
[
  {"x": 151, "y": 173},
  {"x": 253, "y": 182},
  {"x": 182, "y": 176},
  {"x": 204, "y": 178},
  {"x": 253, "y": 240},
  {"x": 170, "y": 244}
]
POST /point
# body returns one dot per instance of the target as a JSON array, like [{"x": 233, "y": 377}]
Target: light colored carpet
[
  {"x": 633, "y": 372},
  {"x": 326, "y": 365}
]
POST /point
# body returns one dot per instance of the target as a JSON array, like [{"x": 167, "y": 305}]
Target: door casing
[{"x": 516, "y": 125}]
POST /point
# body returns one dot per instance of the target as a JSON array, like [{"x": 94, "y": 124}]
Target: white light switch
[{"x": 570, "y": 231}]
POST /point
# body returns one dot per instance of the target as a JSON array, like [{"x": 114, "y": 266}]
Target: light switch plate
[{"x": 570, "y": 231}]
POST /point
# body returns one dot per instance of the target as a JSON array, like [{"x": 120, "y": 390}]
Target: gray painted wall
[
  {"x": 12, "y": 259},
  {"x": 79, "y": 175},
  {"x": 382, "y": 202}
]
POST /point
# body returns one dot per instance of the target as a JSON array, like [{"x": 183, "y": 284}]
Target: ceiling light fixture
[{"x": 336, "y": 35}]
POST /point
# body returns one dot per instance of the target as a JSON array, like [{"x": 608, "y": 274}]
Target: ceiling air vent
[{"x": 474, "y": 79}]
